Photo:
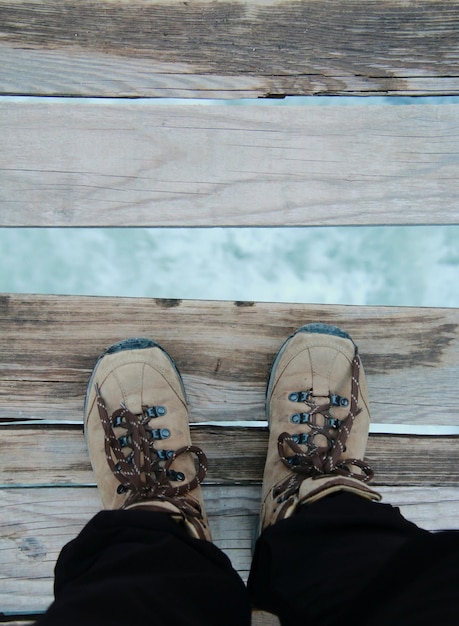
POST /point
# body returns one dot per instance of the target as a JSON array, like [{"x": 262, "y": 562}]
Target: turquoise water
[{"x": 410, "y": 266}]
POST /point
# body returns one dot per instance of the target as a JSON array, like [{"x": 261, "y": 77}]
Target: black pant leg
[
  {"x": 141, "y": 568},
  {"x": 339, "y": 561},
  {"x": 419, "y": 586}
]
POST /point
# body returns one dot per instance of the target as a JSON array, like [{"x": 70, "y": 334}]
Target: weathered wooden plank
[
  {"x": 224, "y": 351},
  {"x": 59, "y": 457},
  {"x": 228, "y": 48},
  {"x": 261, "y": 618},
  {"x": 67, "y": 162},
  {"x": 36, "y": 523},
  {"x": 89, "y": 74}
]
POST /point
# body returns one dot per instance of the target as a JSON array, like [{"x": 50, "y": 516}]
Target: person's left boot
[
  {"x": 318, "y": 414},
  {"x": 137, "y": 431}
]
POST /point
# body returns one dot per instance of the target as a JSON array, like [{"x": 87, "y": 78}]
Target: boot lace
[
  {"x": 145, "y": 471},
  {"x": 312, "y": 461}
]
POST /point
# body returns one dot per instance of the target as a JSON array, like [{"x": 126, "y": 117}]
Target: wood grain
[
  {"x": 224, "y": 350},
  {"x": 36, "y": 523},
  {"x": 124, "y": 163},
  {"x": 261, "y": 618},
  {"x": 58, "y": 457},
  {"x": 80, "y": 162},
  {"x": 228, "y": 49}
]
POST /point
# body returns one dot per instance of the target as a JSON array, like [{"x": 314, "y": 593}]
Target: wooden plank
[
  {"x": 228, "y": 48},
  {"x": 224, "y": 351},
  {"x": 59, "y": 457},
  {"x": 262, "y": 618},
  {"x": 36, "y": 523},
  {"x": 92, "y": 74},
  {"x": 71, "y": 162}
]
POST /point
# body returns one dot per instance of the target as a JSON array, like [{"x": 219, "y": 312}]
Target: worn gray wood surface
[
  {"x": 49, "y": 345},
  {"x": 227, "y": 48},
  {"x": 75, "y": 162},
  {"x": 224, "y": 350},
  {"x": 82, "y": 162},
  {"x": 58, "y": 456},
  {"x": 36, "y": 523}
]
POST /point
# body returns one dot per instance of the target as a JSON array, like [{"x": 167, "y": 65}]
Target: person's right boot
[{"x": 318, "y": 415}]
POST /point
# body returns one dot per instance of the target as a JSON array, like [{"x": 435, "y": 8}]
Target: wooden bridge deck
[
  {"x": 224, "y": 351},
  {"x": 89, "y": 139}
]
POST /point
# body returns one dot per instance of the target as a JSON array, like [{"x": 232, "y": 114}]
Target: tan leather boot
[
  {"x": 318, "y": 415},
  {"x": 138, "y": 436}
]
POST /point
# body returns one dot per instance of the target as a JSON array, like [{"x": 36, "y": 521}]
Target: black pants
[{"x": 342, "y": 560}]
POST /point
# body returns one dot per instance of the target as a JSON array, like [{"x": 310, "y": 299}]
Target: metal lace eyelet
[
  {"x": 173, "y": 475},
  {"x": 154, "y": 411},
  {"x": 336, "y": 400},
  {"x": 165, "y": 455},
  {"x": 301, "y": 438},
  {"x": 333, "y": 422},
  {"x": 300, "y": 418},
  {"x": 124, "y": 441},
  {"x": 160, "y": 433},
  {"x": 299, "y": 396},
  {"x": 121, "y": 489}
]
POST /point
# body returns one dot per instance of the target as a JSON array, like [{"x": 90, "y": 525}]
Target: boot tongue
[
  {"x": 315, "y": 489},
  {"x": 323, "y": 364},
  {"x": 320, "y": 400},
  {"x": 319, "y": 439},
  {"x": 156, "y": 505}
]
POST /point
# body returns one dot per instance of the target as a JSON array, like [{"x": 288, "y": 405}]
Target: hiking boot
[
  {"x": 136, "y": 426},
  {"x": 318, "y": 416}
]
